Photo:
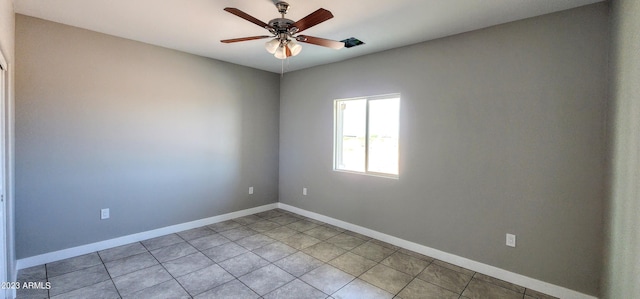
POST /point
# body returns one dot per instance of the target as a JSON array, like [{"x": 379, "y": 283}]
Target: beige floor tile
[
  {"x": 501, "y": 283},
  {"x": 405, "y": 263},
  {"x": 324, "y": 251},
  {"x": 373, "y": 251},
  {"x": 446, "y": 278},
  {"x": 479, "y": 289},
  {"x": 419, "y": 289},
  {"x": 386, "y": 278},
  {"x": 454, "y": 267}
]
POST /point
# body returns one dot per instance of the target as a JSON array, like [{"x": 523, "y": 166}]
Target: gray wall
[
  {"x": 622, "y": 275},
  {"x": 158, "y": 136},
  {"x": 502, "y": 131}
]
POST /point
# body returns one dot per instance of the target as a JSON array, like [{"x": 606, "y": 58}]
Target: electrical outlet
[
  {"x": 511, "y": 240},
  {"x": 250, "y": 190},
  {"x": 304, "y": 191},
  {"x": 104, "y": 214}
]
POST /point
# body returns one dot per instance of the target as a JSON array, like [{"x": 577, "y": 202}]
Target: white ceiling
[{"x": 197, "y": 26}]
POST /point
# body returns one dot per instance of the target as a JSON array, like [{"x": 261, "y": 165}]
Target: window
[{"x": 366, "y": 135}]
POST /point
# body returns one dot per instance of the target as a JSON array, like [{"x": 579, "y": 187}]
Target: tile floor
[{"x": 273, "y": 254}]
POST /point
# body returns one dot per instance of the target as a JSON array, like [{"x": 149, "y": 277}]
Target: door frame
[{"x": 4, "y": 96}]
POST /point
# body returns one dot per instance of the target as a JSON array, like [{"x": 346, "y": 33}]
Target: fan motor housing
[{"x": 281, "y": 24}]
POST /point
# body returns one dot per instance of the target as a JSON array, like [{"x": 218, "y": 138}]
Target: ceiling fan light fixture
[
  {"x": 284, "y": 43},
  {"x": 272, "y": 45},
  {"x": 294, "y": 47},
  {"x": 281, "y": 52}
]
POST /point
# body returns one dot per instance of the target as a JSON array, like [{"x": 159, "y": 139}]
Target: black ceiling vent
[{"x": 352, "y": 42}]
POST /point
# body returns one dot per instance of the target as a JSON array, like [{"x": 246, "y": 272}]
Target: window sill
[{"x": 372, "y": 174}]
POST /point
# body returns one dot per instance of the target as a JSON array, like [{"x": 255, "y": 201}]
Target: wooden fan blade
[
  {"x": 288, "y": 51},
  {"x": 312, "y": 19},
  {"x": 246, "y": 16},
  {"x": 320, "y": 41},
  {"x": 242, "y": 39}
]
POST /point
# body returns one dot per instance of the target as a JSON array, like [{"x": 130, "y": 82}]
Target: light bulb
[
  {"x": 272, "y": 45},
  {"x": 281, "y": 52},
  {"x": 294, "y": 47}
]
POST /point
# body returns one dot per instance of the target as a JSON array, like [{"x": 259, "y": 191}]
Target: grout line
[
  {"x": 109, "y": 273},
  {"x": 232, "y": 241},
  {"x": 416, "y": 276},
  {"x": 402, "y": 289},
  {"x": 46, "y": 276},
  {"x": 468, "y": 283},
  {"x": 174, "y": 278},
  {"x": 161, "y": 265}
]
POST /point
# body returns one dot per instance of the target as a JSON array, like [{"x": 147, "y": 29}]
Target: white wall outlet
[
  {"x": 250, "y": 190},
  {"x": 304, "y": 191},
  {"x": 511, "y": 240},
  {"x": 104, "y": 214}
]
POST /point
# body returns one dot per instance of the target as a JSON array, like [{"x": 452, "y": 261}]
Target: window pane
[
  {"x": 383, "y": 135},
  {"x": 351, "y": 134}
]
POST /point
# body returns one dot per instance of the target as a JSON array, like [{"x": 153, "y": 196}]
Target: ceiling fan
[{"x": 285, "y": 31}]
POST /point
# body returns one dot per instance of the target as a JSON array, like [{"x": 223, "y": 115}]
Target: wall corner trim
[
  {"x": 97, "y": 246},
  {"x": 502, "y": 274}
]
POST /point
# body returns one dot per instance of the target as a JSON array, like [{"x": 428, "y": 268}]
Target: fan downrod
[{"x": 281, "y": 25}]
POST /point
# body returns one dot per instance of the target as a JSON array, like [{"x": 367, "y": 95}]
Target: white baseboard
[
  {"x": 93, "y": 247},
  {"x": 502, "y": 274}
]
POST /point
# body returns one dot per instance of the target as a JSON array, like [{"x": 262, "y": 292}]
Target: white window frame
[{"x": 337, "y": 142}]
